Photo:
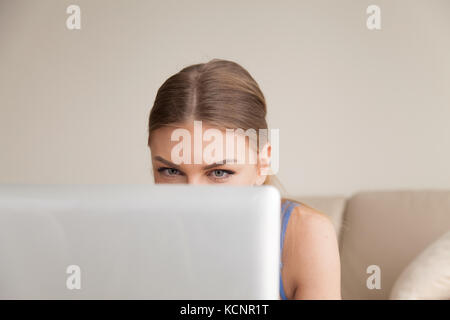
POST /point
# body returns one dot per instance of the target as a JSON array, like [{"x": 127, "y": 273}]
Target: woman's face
[{"x": 201, "y": 169}]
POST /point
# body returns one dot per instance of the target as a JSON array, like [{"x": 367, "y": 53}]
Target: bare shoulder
[
  {"x": 307, "y": 222},
  {"x": 312, "y": 254}
]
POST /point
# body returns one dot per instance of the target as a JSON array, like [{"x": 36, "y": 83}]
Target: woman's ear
[{"x": 263, "y": 167}]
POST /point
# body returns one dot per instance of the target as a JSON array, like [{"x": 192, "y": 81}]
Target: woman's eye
[
  {"x": 169, "y": 171},
  {"x": 221, "y": 174}
]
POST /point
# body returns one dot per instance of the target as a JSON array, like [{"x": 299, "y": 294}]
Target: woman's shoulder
[
  {"x": 305, "y": 219},
  {"x": 301, "y": 208},
  {"x": 311, "y": 243}
]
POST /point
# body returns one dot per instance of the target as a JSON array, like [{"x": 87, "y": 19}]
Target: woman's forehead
[{"x": 202, "y": 146}]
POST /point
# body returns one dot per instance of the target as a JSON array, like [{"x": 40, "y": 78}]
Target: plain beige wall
[{"x": 356, "y": 109}]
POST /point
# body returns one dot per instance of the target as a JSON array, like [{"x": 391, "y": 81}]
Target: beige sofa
[{"x": 384, "y": 228}]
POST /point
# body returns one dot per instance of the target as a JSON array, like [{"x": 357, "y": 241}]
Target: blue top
[{"x": 286, "y": 210}]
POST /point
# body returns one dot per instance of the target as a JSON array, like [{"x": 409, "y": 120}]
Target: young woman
[{"x": 222, "y": 95}]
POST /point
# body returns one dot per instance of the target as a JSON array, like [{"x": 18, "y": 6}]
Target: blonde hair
[{"x": 219, "y": 92}]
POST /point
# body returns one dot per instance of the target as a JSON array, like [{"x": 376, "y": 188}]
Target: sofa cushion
[
  {"x": 428, "y": 275},
  {"x": 388, "y": 229}
]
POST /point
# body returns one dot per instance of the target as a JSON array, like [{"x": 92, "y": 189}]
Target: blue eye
[
  {"x": 221, "y": 174},
  {"x": 169, "y": 171}
]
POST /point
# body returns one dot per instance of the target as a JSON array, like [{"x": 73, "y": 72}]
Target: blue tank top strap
[
  {"x": 283, "y": 206},
  {"x": 286, "y": 213},
  {"x": 286, "y": 210}
]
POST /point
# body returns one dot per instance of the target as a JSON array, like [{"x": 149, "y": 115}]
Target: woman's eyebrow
[
  {"x": 220, "y": 163},
  {"x": 166, "y": 162}
]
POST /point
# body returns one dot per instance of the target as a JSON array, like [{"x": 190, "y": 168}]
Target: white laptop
[{"x": 139, "y": 242}]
